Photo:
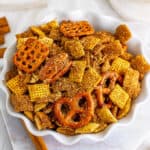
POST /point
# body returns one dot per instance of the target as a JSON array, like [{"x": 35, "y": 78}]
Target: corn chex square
[
  {"x": 38, "y": 91},
  {"x": 119, "y": 96},
  {"x": 120, "y": 65},
  {"x": 16, "y": 86}
]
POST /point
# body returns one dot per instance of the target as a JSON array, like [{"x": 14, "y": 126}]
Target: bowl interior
[{"x": 100, "y": 23}]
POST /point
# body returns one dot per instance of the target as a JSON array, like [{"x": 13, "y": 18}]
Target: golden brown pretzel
[
  {"x": 84, "y": 111},
  {"x": 30, "y": 55},
  {"x": 100, "y": 89},
  {"x": 79, "y": 28}
]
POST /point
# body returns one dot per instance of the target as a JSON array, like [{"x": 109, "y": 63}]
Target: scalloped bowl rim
[{"x": 69, "y": 140}]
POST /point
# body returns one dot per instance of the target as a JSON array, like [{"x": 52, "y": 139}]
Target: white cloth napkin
[
  {"x": 132, "y": 9},
  {"x": 21, "y": 4}
]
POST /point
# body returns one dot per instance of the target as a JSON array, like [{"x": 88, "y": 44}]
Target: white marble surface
[{"x": 127, "y": 138}]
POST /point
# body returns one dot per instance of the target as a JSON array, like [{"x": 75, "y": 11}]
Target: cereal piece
[
  {"x": 105, "y": 37},
  {"x": 20, "y": 42},
  {"x": 21, "y": 103},
  {"x": 2, "y": 51},
  {"x": 102, "y": 126},
  {"x": 131, "y": 83},
  {"x": 123, "y": 33},
  {"x": 77, "y": 71},
  {"x": 46, "y": 41},
  {"x": 79, "y": 28},
  {"x": 127, "y": 56},
  {"x": 75, "y": 48},
  {"x": 3, "y": 21},
  {"x": 139, "y": 63},
  {"x": 37, "y": 91},
  {"x": 123, "y": 112},
  {"x": 89, "y": 42},
  {"x": 38, "y": 107},
  {"x": 25, "y": 34},
  {"x": 29, "y": 115},
  {"x": 29, "y": 57},
  {"x": 105, "y": 115},
  {"x": 90, "y": 79},
  {"x": 114, "y": 111},
  {"x": 120, "y": 65},
  {"x": 55, "y": 34},
  {"x": 2, "y": 39},
  {"x": 89, "y": 128},
  {"x": 65, "y": 85},
  {"x": 65, "y": 130},
  {"x": 42, "y": 121},
  {"x": 34, "y": 78},
  {"x": 11, "y": 74},
  {"x": 16, "y": 86},
  {"x": 118, "y": 96},
  {"x": 113, "y": 49},
  {"x": 53, "y": 24},
  {"x": 37, "y": 31},
  {"x": 105, "y": 66}
]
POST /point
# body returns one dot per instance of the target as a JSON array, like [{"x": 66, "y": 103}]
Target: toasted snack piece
[
  {"x": 113, "y": 49},
  {"x": 102, "y": 126},
  {"x": 105, "y": 37},
  {"x": 3, "y": 21},
  {"x": 37, "y": 91},
  {"x": 29, "y": 115},
  {"x": 119, "y": 96},
  {"x": 105, "y": 115},
  {"x": 46, "y": 41},
  {"x": 2, "y": 51},
  {"x": 123, "y": 33},
  {"x": 55, "y": 34},
  {"x": 11, "y": 74},
  {"x": 75, "y": 48},
  {"x": 120, "y": 65},
  {"x": 66, "y": 86},
  {"x": 38, "y": 107},
  {"x": 89, "y": 128},
  {"x": 79, "y": 28},
  {"x": 127, "y": 56},
  {"x": 30, "y": 56},
  {"x": 106, "y": 66},
  {"x": 89, "y": 42},
  {"x": 37, "y": 31},
  {"x": 21, "y": 103},
  {"x": 65, "y": 130},
  {"x": 123, "y": 112},
  {"x": 34, "y": 78},
  {"x": 42, "y": 121},
  {"x": 131, "y": 83},
  {"x": 139, "y": 63},
  {"x": 55, "y": 67},
  {"x": 16, "y": 86},
  {"x": 90, "y": 79},
  {"x": 2, "y": 39},
  {"x": 25, "y": 34},
  {"x": 77, "y": 71},
  {"x": 114, "y": 111}
]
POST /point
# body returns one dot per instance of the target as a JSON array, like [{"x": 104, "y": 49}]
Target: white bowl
[{"x": 135, "y": 46}]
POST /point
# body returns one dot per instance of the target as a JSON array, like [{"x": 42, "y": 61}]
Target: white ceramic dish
[{"x": 100, "y": 23}]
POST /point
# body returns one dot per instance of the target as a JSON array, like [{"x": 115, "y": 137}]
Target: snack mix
[{"x": 72, "y": 79}]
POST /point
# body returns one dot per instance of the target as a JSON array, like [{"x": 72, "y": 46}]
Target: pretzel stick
[
  {"x": 3, "y": 21},
  {"x": 37, "y": 140},
  {"x": 2, "y": 51},
  {"x": 2, "y": 40}
]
